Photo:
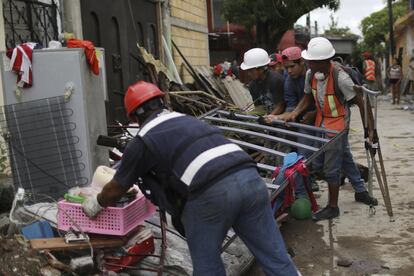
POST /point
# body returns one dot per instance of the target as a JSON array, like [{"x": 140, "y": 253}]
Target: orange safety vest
[
  {"x": 333, "y": 114},
  {"x": 369, "y": 70}
]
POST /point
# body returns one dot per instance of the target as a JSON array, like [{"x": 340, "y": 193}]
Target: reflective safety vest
[
  {"x": 369, "y": 70},
  {"x": 190, "y": 153},
  {"x": 333, "y": 113}
]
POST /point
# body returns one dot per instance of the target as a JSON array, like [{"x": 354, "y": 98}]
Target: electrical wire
[{"x": 77, "y": 226}]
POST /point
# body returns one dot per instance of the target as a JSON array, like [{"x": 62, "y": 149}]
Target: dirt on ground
[{"x": 17, "y": 258}]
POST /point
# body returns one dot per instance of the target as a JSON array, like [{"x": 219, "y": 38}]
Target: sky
[{"x": 349, "y": 14}]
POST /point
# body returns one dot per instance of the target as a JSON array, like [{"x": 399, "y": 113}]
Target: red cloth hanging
[
  {"x": 21, "y": 63},
  {"x": 89, "y": 50}
]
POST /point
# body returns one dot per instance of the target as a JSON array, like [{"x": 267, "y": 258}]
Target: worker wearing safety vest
[
  {"x": 217, "y": 181},
  {"x": 368, "y": 69},
  {"x": 332, "y": 113}
]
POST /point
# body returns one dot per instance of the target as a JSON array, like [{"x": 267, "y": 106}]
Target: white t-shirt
[{"x": 345, "y": 83}]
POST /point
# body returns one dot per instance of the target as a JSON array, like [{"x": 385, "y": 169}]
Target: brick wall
[{"x": 189, "y": 31}]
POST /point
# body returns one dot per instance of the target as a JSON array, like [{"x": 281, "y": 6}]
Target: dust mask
[{"x": 319, "y": 76}]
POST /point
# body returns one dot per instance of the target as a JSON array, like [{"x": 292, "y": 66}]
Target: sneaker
[
  {"x": 365, "y": 198},
  {"x": 315, "y": 186},
  {"x": 326, "y": 213}
]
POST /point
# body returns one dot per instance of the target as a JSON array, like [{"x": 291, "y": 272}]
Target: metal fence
[
  {"x": 43, "y": 146},
  {"x": 26, "y": 20}
]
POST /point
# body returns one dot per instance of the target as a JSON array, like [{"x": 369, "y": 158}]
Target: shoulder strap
[{"x": 337, "y": 90}]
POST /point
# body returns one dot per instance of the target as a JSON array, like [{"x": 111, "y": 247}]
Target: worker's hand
[
  {"x": 269, "y": 118},
  {"x": 288, "y": 116},
  {"x": 309, "y": 118},
  {"x": 91, "y": 206}
]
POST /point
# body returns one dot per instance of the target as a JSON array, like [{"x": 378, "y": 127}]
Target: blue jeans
[
  {"x": 241, "y": 201},
  {"x": 351, "y": 171},
  {"x": 338, "y": 157}
]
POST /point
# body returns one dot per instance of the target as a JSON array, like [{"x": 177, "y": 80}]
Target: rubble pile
[{"x": 17, "y": 258}]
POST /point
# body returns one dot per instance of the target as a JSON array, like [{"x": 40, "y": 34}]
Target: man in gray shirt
[{"x": 332, "y": 113}]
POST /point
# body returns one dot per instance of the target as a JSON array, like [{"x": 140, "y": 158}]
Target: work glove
[{"x": 91, "y": 206}]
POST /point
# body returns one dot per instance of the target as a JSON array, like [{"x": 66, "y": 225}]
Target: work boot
[
  {"x": 326, "y": 213},
  {"x": 365, "y": 198}
]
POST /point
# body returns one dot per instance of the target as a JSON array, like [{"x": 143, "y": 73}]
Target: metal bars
[
  {"x": 246, "y": 131},
  {"x": 42, "y": 147},
  {"x": 26, "y": 20}
]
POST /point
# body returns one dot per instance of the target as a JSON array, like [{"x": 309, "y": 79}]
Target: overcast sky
[{"x": 349, "y": 14}]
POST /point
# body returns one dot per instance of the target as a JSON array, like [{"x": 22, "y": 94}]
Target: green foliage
[
  {"x": 271, "y": 17},
  {"x": 334, "y": 30},
  {"x": 375, "y": 27}
]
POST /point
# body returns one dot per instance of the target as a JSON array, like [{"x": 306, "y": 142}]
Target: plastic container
[{"x": 110, "y": 221}]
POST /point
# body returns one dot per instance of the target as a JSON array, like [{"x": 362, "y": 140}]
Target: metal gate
[
  {"x": 118, "y": 26},
  {"x": 26, "y": 20}
]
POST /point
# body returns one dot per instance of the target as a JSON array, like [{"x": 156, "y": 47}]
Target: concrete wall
[
  {"x": 343, "y": 47},
  {"x": 404, "y": 35},
  {"x": 190, "y": 33},
  {"x": 72, "y": 17}
]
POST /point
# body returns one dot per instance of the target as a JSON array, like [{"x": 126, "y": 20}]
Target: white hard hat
[
  {"x": 319, "y": 48},
  {"x": 254, "y": 58}
]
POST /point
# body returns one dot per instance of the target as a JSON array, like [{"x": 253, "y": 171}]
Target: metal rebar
[
  {"x": 269, "y": 128},
  {"x": 269, "y": 137},
  {"x": 307, "y": 162},
  {"x": 256, "y": 147},
  {"x": 280, "y": 122}
]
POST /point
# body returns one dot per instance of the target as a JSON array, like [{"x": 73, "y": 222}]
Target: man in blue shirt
[
  {"x": 217, "y": 180},
  {"x": 295, "y": 83}
]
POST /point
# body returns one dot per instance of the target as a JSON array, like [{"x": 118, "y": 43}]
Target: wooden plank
[{"x": 59, "y": 244}]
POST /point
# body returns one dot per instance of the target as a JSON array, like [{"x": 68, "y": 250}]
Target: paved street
[{"x": 369, "y": 244}]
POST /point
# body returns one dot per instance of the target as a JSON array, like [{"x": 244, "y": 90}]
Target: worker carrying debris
[
  {"x": 266, "y": 86},
  {"x": 332, "y": 113},
  {"x": 216, "y": 181},
  {"x": 294, "y": 92}
]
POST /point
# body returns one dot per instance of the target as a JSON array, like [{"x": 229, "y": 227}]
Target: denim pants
[
  {"x": 350, "y": 169},
  {"x": 337, "y": 158},
  {"x": 241, "y": 201}
]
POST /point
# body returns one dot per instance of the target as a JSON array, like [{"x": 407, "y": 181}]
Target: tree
[
  {"x": 334, "y": 30},
  {"x": 375, "y": 27},
  {"x": 271, "y": 17}
]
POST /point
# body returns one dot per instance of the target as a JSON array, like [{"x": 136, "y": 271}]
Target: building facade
[{"x": 190, "y": 33}]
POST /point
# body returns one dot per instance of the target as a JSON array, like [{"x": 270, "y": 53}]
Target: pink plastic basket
[{"x": 110, "y": 221}]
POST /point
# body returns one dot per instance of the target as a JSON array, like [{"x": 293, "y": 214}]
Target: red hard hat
[{"x": 139, "y": 93}]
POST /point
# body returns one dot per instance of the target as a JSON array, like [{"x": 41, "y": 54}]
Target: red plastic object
[{"x": 143, "y": 248}]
